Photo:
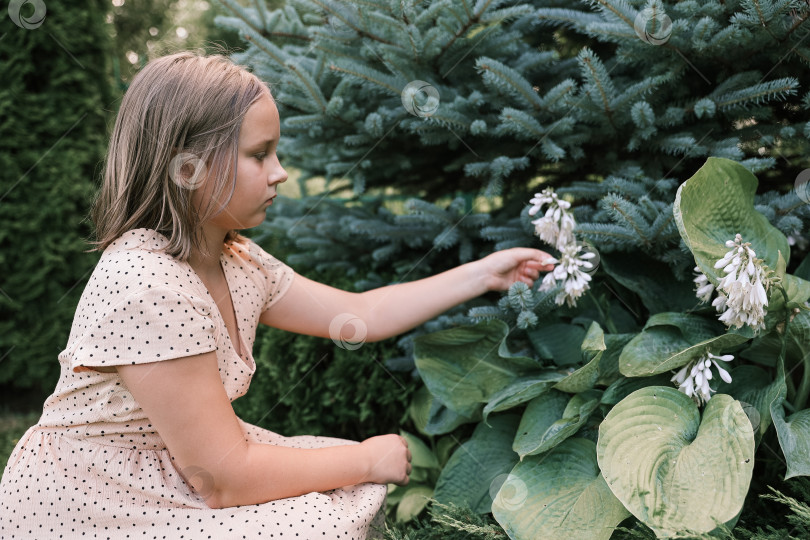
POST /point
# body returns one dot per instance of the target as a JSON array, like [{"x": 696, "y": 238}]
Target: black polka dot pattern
[{"x": 94, "y": 467}]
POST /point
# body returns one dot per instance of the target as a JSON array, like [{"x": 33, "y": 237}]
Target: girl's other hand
[
  {"x": 507, "y": 266},
  {"x": 389, "y": 459}
]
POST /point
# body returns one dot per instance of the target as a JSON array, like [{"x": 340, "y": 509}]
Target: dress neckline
[{"x": 250, "y": 363}]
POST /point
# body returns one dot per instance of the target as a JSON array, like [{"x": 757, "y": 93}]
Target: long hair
[{"x": 183, "y": 103}]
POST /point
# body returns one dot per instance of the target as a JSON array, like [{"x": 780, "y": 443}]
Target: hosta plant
[{"x": 591, "y": 413}]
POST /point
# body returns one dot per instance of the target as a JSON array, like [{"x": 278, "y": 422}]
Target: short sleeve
[
  {"x": 148, "y": 325},
  {"x": 277, "y": 276}
]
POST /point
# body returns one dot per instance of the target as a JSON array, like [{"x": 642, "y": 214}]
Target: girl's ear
[{"x": 187, "y": 169}]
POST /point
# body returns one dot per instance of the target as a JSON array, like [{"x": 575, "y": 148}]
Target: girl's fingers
[{"x": 542, "y": 261}]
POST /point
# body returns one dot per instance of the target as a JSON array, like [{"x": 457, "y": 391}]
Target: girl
[{"x": 139, "y": 439}]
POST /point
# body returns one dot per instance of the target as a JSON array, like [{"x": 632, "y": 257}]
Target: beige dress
[{"x": 94, "y": 467}]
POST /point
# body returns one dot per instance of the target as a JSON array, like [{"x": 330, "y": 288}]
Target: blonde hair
[{"x": 183, "y": 102}]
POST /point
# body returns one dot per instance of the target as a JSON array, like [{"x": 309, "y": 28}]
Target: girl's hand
[
  {"x": 389, "y": 459},
  {"x": 507, "y": 266}
]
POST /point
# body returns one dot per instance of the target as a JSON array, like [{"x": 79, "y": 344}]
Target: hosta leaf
[
  {"x": 442, "y": 420},
  {"x": 539, "y": 416},
  {"x": 412, "y": 501},
  {"x": 558, "y": 495},
  {"x": 673, "y": 470},
  {"x": 753, "y": 387},
  {"x": 419, "y": 409},
  {"x": 466, "y": 479},
  {"x": 717, "y": 203},
  {"x": 693, "y": 327},
  {"x": 609, "y": 363},
  {"x": 797, "y": 289},
  {"x": 465, "y": 366},
  {"x": 418, "y": 474},
  {"x": 421, "y": 455},
  {"x": 521, "y": 390},
  {"x": 394, "y": 495},
  {"x": 593, "y": 346},
  {"x": 559, "y": 343},
  {"x": 793, "y": 432},
  {"x": 651, "y": 280},
  {"x": 593, "y": 343},
  {"x": 669, "y": 341},
  {"x": 794, "y": 438},
  {"x": 548, "y": 421},
  {"x": 627, "y": 385},
  {"x": 765, "y": 349},
  {"x": 444, "y": 449},
  {"x": 803, "y": 270}
]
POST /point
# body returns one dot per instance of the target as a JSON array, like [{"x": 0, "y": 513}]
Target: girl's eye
[{"x": 261, "y": 156}]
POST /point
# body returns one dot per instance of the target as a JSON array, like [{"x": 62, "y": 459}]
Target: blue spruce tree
[{"x": 467, "y": 108}]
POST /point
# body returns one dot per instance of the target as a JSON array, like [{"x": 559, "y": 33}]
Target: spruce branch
[
  {"x": 609, "y": 233},
  {"x": 764, "y": 92},
  {"x": 500, "y": 76},
  {"x": 328, "y": 8},
  {"x": 567, "y": 17},
  {"x": 252, "y": 34},
  {"x": 621, "y": 209},
  {"x": 796, "y": 25},
  {"x": 518, "y": 123},
  {"x": 472, "y": 19},
  {"x": 234, "y": 7},
  {"x": 308, "y": 84},
  {"x": 368, "y": 75},
  {"x": 756, "y": 11},
  {"x": 596, "y": 74},
  {"x": 663, "y": 221},
  {"x": 619, "y": 8},
  {"x": 558, "y": 93},
  {"x": 485, "y": 312}
]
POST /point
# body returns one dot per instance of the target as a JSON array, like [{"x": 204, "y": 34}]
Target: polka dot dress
[{"x": 94, "y": 467}]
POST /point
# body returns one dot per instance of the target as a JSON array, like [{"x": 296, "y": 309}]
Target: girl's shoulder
[
  {"x": 136, "y": 260},
  {"x": 269, "y": 274},
  {"x": 245, "y": 251}
]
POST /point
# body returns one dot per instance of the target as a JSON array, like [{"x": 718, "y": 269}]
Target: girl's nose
[{"x": 277, "y": 177}]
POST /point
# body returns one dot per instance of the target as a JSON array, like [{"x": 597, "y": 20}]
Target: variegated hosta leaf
[
  {"x": 673, "y": 470},
  {"x": 559, "y": 495}
]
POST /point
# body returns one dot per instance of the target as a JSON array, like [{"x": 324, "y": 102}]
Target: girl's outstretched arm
[{"x": 312, "y": 308}]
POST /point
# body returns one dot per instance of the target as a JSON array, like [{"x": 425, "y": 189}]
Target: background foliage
[{"x": 54, "y": 97}]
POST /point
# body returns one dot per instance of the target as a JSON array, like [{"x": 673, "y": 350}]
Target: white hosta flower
[
  {"x": 705, "y": 288},
  {"x": 556, "y": 227},
  {"x": 693, "y": 378},
  {"x": 742, "y": 292},
  {"x": 571, "y": 269}
]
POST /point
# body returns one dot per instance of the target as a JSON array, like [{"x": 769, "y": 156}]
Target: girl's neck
[{"x": 206, "y": 262}]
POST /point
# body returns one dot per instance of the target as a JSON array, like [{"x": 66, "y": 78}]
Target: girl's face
[{"x": 258, "y": 171}]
